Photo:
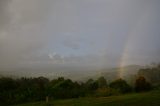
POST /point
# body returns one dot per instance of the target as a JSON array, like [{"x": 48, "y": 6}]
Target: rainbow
[{"x": 129, "y": 43}]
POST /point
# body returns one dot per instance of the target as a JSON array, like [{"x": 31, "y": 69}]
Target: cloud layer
[{"x": 99, "y": 33}]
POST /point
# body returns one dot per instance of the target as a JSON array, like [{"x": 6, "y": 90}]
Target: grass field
[{"x": 136, "y": 99}]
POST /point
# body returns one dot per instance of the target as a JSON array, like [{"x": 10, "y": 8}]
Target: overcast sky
[{"x": 99, "y": 33}]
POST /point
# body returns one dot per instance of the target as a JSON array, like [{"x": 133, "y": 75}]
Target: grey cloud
[
  {"x": 71, "y": 43},
  {"x": 30, "y": 27},
  {"x": 22, "y": 29},
  {"x": 4, "y": 12}
]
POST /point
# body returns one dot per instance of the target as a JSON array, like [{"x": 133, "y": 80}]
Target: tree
[
  {"x": 120, "y": 85},
  {"x": 102, "y": 83},
  {"x": 91, "y": 85},
  {"x": 142, "y": 85}
]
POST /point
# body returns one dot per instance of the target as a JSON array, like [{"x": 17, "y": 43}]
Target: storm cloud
[{"x": 99, "y": 33}]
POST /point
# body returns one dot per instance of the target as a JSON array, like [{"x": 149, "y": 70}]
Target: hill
[
  {"x": 137, "y": 99},
  {"x": 74, "y": 73},
  {"x": 111, "y": 74}
]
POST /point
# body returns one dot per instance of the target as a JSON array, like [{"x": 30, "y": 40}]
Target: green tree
[
  {"x": 120, "y": 85},
  {"x": 102, "y": 83},
  {"x": 142, "y": 85},
  {"x": 91, "y": 85}
]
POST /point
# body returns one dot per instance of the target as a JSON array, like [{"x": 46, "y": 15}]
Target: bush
[{"x": 104, "y": 92}]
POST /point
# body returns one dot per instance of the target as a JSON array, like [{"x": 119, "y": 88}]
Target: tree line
[{"x": 13, "y": 91}]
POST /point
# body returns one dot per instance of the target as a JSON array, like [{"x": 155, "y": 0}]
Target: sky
[{"x": 79, "y": 33}]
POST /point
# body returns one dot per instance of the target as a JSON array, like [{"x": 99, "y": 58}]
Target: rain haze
[{"x": 78, "y": 35}]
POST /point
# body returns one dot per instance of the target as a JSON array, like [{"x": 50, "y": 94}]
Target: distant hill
[
  {"x": 129, "y": 73},
  {"x": 74, "y": 73},
  {"x": 151, "y": 74}
]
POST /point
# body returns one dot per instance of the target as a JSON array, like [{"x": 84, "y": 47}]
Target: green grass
[{"x": 136, "y": 99}]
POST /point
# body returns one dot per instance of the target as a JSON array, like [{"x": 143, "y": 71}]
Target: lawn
[{"x": 136, "y": 99}]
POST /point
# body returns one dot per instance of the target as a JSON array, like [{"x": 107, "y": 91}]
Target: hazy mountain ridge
[
  {"x": 114, "y": 73},
  {"x": 79, "y": 74}
]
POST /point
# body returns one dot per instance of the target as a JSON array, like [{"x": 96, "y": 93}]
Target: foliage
[
  {"x": 104, "y": 92},
  {"x": 134, "y": 99},
  {"x": 102, "y": 83},
  {"x": 142, "y": 85},
  {"x": 120, "y": 85},
  {"x": 23, "y": 90}
]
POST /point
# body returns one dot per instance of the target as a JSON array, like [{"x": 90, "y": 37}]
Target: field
[{"x": 136, "y": 99}]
